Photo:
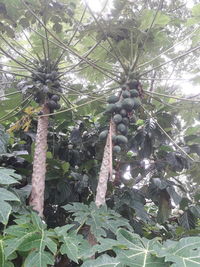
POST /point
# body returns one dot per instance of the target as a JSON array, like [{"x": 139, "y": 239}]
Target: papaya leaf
[
  {"x": 5, "y": 207},
  {"x": 101, "y": 220},
  {"x": 2, "y": 254},
  {"x": 30, "y": 236},
  {"x": 185, "y": 252},
  {"x": 103, "y": 261},
  {"x": 70, "y": 242},
  {"x": 139, "y": 251},
  {"x": 187, "y": 220},
  {"x": 35, "y": 258},
  {"x": 8, "y": 176}
]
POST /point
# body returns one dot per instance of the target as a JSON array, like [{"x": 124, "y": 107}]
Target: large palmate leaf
[
  {"x": 71, "y": 243},
  {"x": 30, "y": 236},
  {"x": 185, "y": 252},
  {"x": 139, "y": 251},
  {"x": 5, "y": 207},
  {"x": 100, "y": 219},
  {"x": 130, "y": 250}
]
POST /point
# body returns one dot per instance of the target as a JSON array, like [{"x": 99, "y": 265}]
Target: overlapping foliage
[{"x": 151, "y": 218}]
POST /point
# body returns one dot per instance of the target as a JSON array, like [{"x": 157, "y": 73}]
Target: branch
[
  {"x": 171, "y": 96},
  {"x": 171, "y": 60},
  {"x": 168, "y": 136}
]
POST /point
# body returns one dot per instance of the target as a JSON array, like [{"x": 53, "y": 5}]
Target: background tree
[{"x": 136, "y": 157}]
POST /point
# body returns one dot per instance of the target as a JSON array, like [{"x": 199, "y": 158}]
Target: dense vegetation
[{"x": 99, "y": 146}]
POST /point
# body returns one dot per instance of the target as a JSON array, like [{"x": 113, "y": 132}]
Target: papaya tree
[{"x": 94, "y": 107}]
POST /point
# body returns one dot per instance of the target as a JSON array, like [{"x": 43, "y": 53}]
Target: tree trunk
[
  {"x": 39, "y": 164},
  {"x": 106, "y": 168}
]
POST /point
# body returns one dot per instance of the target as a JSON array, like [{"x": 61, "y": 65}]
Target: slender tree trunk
[
  {"x": 106, "y": 168},
  {"x": 39, "y": 164}
]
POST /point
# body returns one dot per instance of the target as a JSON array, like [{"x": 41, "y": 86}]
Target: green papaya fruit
[
  {"x": 52, "y": 104},
  {"x": 134, "y": 93},
  {"x": 117, "y": 149},
  {"x": 110, "y": 108},
  {"x": 122, "y": 128},
  {"x": 112, "y": 99},
  {"x": 55, "y": 98},
  {"x": 121, "y": 139},
  {"x": 103, "y": 135},
  {"x": 123, "y": 112},
  {"x": 117, "y": 118},
  {"x": 126, "y": 94},
  {"x": 128, "y": 104},
  {"x": 125, "y": 120},
  {"x": 118, "y": 106}
]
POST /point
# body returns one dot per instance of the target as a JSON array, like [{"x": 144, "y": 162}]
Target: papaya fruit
[
  {"x": 103, "y": 135},
  {"x": 110, "y": 108},
  {"x": 125, "y": 120},
  {"x": 117, "y": 118},
  {"x": 123, "y": 112},
  {"x": 117, "y": 149},
  {"x": 55, "y": 98},
  {"x": 118, "y": 106},
  {"x": 122, "y": 128},
  {"x": 113, "y": 99},
  {"x": 134, "y": 93},
  {"x": 126, "y": 94},
  {"x": 52, "y": 104},
  {"x": 121, "y": 139},
  {"x": 128, "y": 104}
]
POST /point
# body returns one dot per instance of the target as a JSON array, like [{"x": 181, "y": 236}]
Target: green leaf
[
  {"x": 196, "y": 11},
  {"x": 148, "y": 17},
  {"x": 38, "y": 259},
  {"x": 8, "y": 176},
  {"x": 98, "y": 219},
  {"x": 139, "y": 251},
  {"x": 103, "y": 261},
  {"x": 65, "y": 167},
  {"x": 5, "y": 208},
  {"x": 193, "y": 130},
  {"x": 2, "y": 254},
  {"x": 185, "y": 252},
  {"x": 13, "y": 243},
  {"x": 70, "y": 242}
]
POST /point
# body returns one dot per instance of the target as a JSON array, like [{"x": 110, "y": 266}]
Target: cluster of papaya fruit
[
  {"x": 122, "y": 110},
  {"x": 46, "y": 80}
]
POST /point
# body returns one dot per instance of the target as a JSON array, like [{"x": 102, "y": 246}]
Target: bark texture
[
  {"x": 106, "y": 168},
  {"x": 39, "y": 164}
]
